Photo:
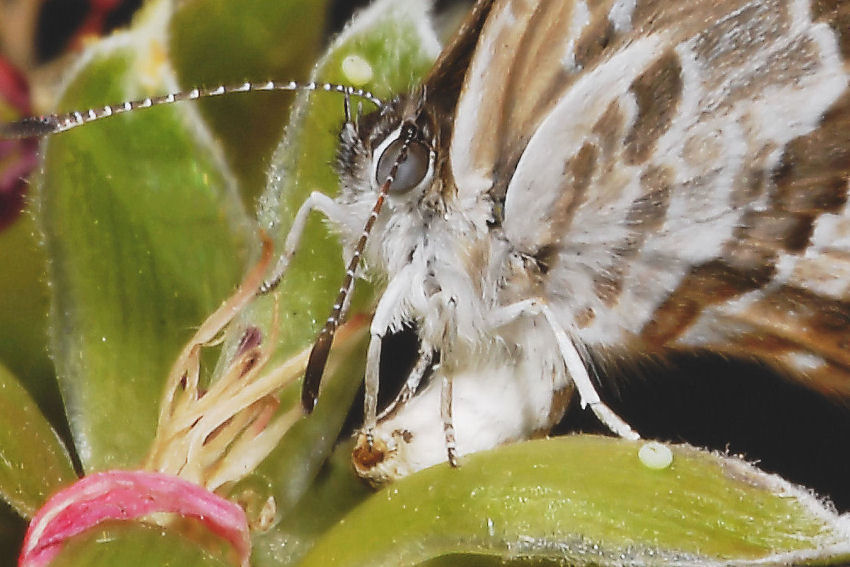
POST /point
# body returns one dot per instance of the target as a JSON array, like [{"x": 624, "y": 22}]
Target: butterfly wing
[{"x": 680, "y": 168}]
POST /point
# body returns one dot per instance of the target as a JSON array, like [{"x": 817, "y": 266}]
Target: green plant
[{"x": 147, "y": 230}]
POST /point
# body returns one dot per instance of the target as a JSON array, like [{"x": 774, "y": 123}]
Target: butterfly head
[{"x": 372, "y": 144}]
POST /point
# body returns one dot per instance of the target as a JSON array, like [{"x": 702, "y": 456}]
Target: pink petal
[{"x": 126, "y": 495}]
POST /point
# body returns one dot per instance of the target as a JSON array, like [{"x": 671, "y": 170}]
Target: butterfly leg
[
  {"x": 385, "y": 314},
  {"x": 372, "y": 382},
  {"x": 446, "y": 417},
  {"x": 423, "y": 363},
  {"x": 578, "y": 373},
  {"x": 315, "y": 202}
]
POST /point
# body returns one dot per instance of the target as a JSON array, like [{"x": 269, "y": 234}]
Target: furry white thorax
[
  {"x": 447, "y": 270},
  {"x": 432, "y": 253}
]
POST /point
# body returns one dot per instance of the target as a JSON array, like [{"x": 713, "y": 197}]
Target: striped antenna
[
  {"x": 321, "y": 348},
  {"x": 52, "y": 124}
]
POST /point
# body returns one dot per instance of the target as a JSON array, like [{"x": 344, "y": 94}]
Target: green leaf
[
  {"x": 33, "y": 461},
  {"x": 332, "y": 494},
  {"x": 23, "y": 315},
  {"x": 146, "y": 235},
  {"x": 139, "y": 545},
  {"x": 276, "y": 40},
  {"x": 587, "y": 499}
]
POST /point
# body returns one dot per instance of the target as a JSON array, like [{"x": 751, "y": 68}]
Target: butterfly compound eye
[{"x": 410, "y": 172}]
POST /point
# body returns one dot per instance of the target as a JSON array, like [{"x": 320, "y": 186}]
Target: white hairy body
[{"x": 585, "y": 201}]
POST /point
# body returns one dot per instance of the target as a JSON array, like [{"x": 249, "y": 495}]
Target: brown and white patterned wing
[
  {"x": 529, "y": 55},
  {"x": 513, "y": 81},
  {"x": 681, "y": 168}
]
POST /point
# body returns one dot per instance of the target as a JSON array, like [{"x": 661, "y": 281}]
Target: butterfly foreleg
[
  {"x": 315, "y": 202},
  {"x": 385, "y": 314}
]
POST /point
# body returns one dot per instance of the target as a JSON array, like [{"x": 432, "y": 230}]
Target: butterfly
[
  {"x": 580, "y": 181},
  {"x": 592, "y": 180}
]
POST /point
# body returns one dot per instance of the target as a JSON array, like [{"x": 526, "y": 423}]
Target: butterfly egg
[
  {"x": 357, "y": 70},
  {"x": 655, "y": 455}
]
